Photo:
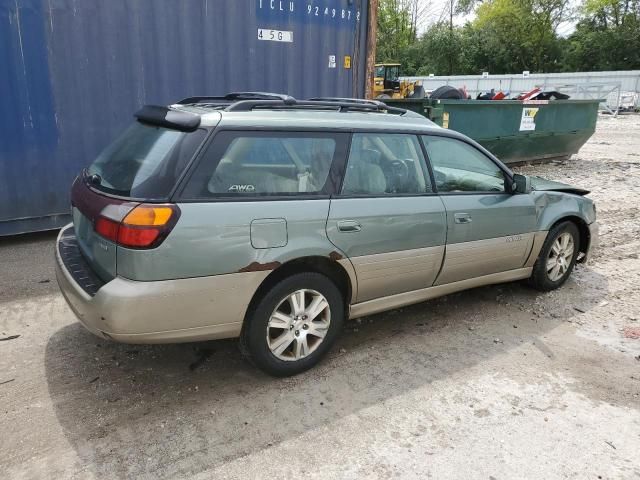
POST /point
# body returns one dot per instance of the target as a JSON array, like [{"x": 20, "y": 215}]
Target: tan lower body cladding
[{"x": 466, "y": 265}]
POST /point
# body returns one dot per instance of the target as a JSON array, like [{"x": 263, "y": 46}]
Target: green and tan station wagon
[{"x": 274, "y": 220}]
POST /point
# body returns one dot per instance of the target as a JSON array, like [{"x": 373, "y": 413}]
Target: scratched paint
[{"x": 78, "y": 69}]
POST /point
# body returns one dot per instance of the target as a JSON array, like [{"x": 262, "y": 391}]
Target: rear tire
[
  {"x": 557, "y": 257},
  {"x": 293, "y": 325}
]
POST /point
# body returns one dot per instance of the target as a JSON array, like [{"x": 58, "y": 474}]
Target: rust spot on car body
[
  {"x": 259, "y": 267},
  {"x": 335, "y": 256}
]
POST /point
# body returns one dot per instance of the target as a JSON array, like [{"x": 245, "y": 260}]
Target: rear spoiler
[{"x": 165, "y": 117}]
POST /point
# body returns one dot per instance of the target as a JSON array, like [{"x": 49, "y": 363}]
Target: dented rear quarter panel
[{"x": 215, "y": 238}]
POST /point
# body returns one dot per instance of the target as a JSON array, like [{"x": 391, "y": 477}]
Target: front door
[
  {"x": 489, "y": 230},
  {"x": 387, "y": 219}
]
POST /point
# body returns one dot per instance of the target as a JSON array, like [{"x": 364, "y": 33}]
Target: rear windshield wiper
[{"x": 93, "y": 179}]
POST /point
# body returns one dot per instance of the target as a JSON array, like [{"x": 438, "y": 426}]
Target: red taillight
[
  {"x": 144, "y": 227},
  {"x": 137, "y": 237},
  {"x": 107, "y": 228}
]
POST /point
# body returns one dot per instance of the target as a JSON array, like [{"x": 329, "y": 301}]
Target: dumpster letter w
[{"x": 528, "y": 121}]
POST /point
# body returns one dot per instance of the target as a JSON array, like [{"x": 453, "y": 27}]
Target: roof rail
[
  {"x": 260, "y": 96},
  {"x": 237, "y": 96},
  {"x": 340, "y": 104},
  {"x": 247, "y": 101},
  {"x": 194, "y": 100},
  {"x": 349, "y": 100}
]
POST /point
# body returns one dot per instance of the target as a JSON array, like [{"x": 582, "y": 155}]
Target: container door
[
  {"x": 387, "y": 219},
  {"x": 488, "y": 229}
]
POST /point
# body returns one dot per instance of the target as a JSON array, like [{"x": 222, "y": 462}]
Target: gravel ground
[{"x": 499, "y": 382}]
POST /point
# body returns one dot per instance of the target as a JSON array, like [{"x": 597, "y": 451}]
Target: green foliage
[
  {"x": 437, "y": 52},
  {"x": 520, "y": 34},
  {"x": 509, "y": 36},
  {"x": 606, "y": 38},
  {"x": 396, "y": 29}
]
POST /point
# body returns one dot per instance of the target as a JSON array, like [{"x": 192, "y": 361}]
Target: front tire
[
  {"x": 294, "y": 324},
  {"x": 557, "y": 257}
]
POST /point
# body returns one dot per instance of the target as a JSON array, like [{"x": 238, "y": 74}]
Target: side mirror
[{"x": 521, "y": 184}]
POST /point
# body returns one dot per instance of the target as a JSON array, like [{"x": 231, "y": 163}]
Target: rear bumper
[{"x": 167, "y": 311}]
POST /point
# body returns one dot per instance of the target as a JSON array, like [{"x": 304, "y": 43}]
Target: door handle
[
  {"x": 349, "y": 226},
  {"x": 462, "y": 218}
]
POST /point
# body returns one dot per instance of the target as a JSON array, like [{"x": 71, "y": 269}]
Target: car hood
[{"x": 542, "y": 184}]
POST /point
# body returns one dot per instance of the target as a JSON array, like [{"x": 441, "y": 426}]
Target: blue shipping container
[{"x": 72, "y": 72}]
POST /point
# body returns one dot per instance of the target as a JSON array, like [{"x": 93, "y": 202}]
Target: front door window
[{"x": 459, "y": 167}]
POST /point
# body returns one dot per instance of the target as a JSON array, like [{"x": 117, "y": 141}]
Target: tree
[
  {"x": 436, "y": 51},
  {"x": 509, "y": 36},
  {"x": 397, "y": 28},
  {"x": 606, "y": 38},
  {"x": 520, "y": 34}
]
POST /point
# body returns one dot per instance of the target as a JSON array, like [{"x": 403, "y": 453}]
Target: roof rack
[
  {"x": 237, "y": 96},
  {"x": 362, "y": 101},
  {"x": 247, "y": 101}
]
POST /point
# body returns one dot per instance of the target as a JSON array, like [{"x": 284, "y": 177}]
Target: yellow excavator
[{"x": 387, "y": 83}]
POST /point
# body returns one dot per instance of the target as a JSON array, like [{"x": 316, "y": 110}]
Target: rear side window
[
  {"x": 241, "y": 164},
  {"x": 385, "y": 164},
  {"x": 459, "y": 167},
  {"x": 145, "y": 161}
]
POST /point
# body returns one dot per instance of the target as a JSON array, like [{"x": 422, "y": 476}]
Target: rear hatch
[
  {"x": 140, "y": 168},
  {"x": 87, "y": 207}
]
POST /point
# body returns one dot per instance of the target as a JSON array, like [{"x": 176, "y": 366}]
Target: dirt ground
[{"x": 496, "y": 383}]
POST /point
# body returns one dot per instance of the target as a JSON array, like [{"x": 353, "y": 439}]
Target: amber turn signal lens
[
  {"x": 148, "y": 216},
  {"x": 145, "y": 226}
]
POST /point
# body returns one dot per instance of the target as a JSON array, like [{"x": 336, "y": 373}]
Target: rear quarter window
[{"x": 244, "y": 164}]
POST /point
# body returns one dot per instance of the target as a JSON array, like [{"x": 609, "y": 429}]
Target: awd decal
[{"x": 242, "y": 188}]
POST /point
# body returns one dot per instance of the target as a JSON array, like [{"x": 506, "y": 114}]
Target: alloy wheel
[
  {"x": 560, "y": 257},
  {"x": 298, "y": 325}
]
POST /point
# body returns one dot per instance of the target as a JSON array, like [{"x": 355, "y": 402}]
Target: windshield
[
  {"x": 380, "y": 71},
  {"x": 145, "y": 161}
]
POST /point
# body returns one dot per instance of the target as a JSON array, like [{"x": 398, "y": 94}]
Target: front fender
[{"x": 552, "y": 207}]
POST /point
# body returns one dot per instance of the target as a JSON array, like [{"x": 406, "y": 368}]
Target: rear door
[
  {"x": 387, "y": 219},
  {"x": 488, "y": 229}
]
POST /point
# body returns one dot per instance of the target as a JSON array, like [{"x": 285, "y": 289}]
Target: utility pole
[
  {"x": 372, "y": 29},
  {"x": 451, "y": 37}
]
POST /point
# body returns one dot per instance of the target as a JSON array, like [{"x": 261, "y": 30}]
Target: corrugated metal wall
[{"x": 72, "y": 72}]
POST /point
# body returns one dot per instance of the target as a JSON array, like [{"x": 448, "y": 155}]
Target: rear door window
[
  {"x": 145, "y": 161},
  {"x": 386, "y": 164},
  {"x": 241, "y": 164}
]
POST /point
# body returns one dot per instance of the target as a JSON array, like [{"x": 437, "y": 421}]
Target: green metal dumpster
[{"x": 513, "y": 130}]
